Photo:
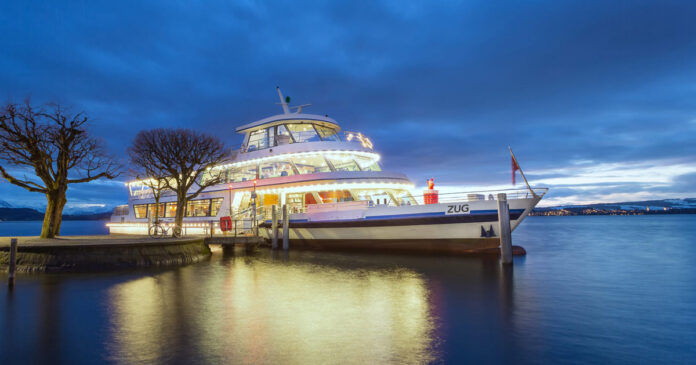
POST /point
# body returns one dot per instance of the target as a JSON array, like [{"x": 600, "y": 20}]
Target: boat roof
[{"x": 277, "y": 119}]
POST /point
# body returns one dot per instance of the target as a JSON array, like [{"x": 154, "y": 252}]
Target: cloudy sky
[{"x": 597, "y": 98}]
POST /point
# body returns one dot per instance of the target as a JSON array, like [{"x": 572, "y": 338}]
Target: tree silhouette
[
  {"x": 58, "y": 147},
  {"x": 181, "y": 158}
]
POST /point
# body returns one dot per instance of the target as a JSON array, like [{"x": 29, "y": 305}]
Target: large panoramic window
[
  {"x": 171, "y": 210},
  {"x": 140, "y": 210},
  {"x": 327, "y": 134},
  {"x": 279, "y": 135},
  {"x": 198, "y": 208},
  {"x": 335, "y": 196},
  {"x": 303, "y": 132},
  {"x": 258, "y": 140},
  {"x": 275, "y": 169},
  {"x": 243, "y": 173},
  {"x": 343, "y": 162},
  {"x": 367, "y": 164},
  {"x": 215, "y": 206},
  {"x": 151, "y": 210},
  {"x": 310, "y": 164}
]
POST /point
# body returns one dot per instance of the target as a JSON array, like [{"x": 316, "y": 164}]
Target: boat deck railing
[{"x": 477, "y": 195}]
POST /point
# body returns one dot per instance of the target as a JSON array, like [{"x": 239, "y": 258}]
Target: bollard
[
  {"x": 212, "y": 228},
  {"x": 274, "y": 228},
  {"x": 286, "y": 228},
  {"x": 504, "y": 229},
  {"x": 13, "y": 262}
]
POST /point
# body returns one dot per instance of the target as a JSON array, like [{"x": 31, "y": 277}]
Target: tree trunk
[
  {"x": 180, "y": 211},
  {"x": 58, "y": 218},
  {"x": 53, "y": 217}
]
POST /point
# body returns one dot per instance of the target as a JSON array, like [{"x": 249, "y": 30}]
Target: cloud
[{"x": 442, "y": 89}]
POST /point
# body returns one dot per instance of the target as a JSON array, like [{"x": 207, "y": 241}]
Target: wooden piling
[
  {"x": 13, "y": 263},
  {"x": 286, "y": 228},
  {"x": 274, "y": 228},
  {"x": 504, "y": 229}
]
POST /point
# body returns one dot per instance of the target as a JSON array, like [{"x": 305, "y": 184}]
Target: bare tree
[
  {"x": 183, "y": 159},
  {"x": 57, "y": 146}
]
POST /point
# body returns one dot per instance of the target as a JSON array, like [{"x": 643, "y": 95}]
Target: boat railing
[{"x": 477, "y": 195}]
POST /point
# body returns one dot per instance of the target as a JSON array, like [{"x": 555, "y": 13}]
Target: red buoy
[{"x": 226, "y": 223}]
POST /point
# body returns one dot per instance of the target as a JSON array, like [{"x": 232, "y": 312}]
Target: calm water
[
  {"x": 67, "y": 228},
  {"x": 590, "y": 290}
]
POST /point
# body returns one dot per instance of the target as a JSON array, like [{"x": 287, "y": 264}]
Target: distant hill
[
  {"x": 4, "y": 204},
  {"x": 664, "y": 206},
  {"x": 20, "y": 214},
  {"x": 28, "y": 214}
]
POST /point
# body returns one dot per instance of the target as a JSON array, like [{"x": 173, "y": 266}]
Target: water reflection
[
  {"x": 585, "y": 293},
  {"x": 263, "y": 309}
]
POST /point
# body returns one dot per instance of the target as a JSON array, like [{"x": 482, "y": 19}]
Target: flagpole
[{"x": 522, "y": 173}]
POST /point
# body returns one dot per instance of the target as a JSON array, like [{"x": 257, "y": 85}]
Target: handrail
[
  {"x": 545, "y": 190},
  {"x": 511, "y": 193}
]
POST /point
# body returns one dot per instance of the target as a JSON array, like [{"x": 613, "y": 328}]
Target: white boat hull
[{"x": 448, "y": 227}]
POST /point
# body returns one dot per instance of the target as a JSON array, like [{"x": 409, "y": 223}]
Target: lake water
[
  {"x": 67, "y": 228},
  {"x": 592, "y": 289}
]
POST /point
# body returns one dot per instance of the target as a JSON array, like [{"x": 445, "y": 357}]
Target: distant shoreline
[
  {"x": 29, "y": 214},
  {"x": 64, "y": 219},
  {"x": 591, "y": 211}
]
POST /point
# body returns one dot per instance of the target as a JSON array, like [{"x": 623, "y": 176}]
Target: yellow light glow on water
[{"x": 264, "y": 310}]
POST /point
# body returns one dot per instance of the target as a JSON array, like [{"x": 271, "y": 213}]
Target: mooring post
[
  {"x": 504, "y": 228},
  {"x": 13, "y": 262},
  {"x": 286, "y": 228},
  {"x": 274, "y": 228}
]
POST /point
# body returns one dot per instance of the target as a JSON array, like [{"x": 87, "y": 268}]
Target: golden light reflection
[{"x": 266, "y": 310}]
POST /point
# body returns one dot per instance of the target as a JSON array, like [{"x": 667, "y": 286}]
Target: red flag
[{"x": 515, "y": 167}]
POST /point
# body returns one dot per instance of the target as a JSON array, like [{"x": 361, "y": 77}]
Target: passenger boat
[{"x": 335, "y": 191}]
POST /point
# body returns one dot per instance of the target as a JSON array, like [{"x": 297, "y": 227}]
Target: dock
[{"x": 96, "y": 253}]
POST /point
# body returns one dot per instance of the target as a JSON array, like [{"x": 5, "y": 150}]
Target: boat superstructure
[{"x": 333, "y": 186}]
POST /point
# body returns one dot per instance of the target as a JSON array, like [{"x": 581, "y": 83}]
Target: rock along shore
[{"x": 99, "y": 253}]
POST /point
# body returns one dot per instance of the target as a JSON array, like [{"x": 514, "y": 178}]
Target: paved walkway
[{"x": 91, "y": 240}]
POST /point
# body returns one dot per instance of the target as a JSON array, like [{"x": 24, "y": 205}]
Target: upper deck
[{"x": 295, "y": 127}]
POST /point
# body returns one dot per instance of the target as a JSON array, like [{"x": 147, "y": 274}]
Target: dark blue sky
[{"x": 597, "y": 98}]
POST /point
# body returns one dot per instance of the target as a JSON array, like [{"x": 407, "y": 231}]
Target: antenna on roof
[
  {"x": 299, "y": 108},
  {"x": 284, "y": 101}
]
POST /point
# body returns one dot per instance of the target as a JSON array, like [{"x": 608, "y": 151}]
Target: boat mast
[
  {"x": 522, "y": 173},
  {"x": 286, "y": 109}
]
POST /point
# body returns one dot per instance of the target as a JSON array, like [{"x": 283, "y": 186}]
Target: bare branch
[
  {"x": 178, "y": 158},
  {"x": 57, "y": 145}
]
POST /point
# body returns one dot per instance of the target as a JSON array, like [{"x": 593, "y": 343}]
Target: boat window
[
  {"x": 213, "y": 174},
  {"x": 343, "y": 162},
  {"x": 171, "y": 210},
  {"x": 310, "y": 164},
  {"x": 367, "y": 164},
  {"x": 281, "y": 136},
  {"x": 151, "y": 210},
  {"x": 215, "y": 206},
  {"x": 327, "y": 134},
  {"x": 275, "y": 169},
  {"x": 258, "y": 140},
  {"x": 140, "y": 210},
  {"x": 243, "y": 173},
  {"x": 121, "y": 210},
  {"x": 335, "y": 196},
  {"x": 198, "y": 208},
  {"x": 303, "y": 132}
]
